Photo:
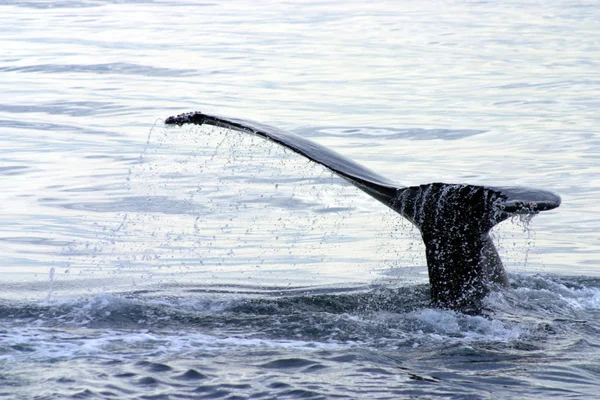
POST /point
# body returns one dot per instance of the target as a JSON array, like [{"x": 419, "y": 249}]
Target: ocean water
[{"x": 145, "y": 262}]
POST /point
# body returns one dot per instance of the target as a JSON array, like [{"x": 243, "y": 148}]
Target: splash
[{"x": 218, "y": 206}]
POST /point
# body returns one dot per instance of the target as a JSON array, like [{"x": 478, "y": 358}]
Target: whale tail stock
[{"x": 454, "y": 219}]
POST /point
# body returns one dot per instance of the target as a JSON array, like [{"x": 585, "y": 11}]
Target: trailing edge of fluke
[{"x": 454, "y": 219}]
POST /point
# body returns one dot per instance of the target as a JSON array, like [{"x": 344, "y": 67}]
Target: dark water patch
[
  {"x": 108, "y": 394},
  {"x": 416, "y": 377},
  {"x": 548, "y": 84},
  {"x": 330, "y": 210},
  {"x": 191, "y": 375},
  {"x": 282, "y": 202},
  {"x": 400, "y": 300},
  {"x": 64, "y": 4},
  {"x": 51, "y": 127},
  {"x": 154, "y": 367},
  {"x": 145, "y": 204},
  {"x": 84, "y": 394},
  {"x": 113, "y": 363},
  {"x": 70, "y": 108},
  {"x": 279, "y": 385},
  {"x": 290, "y": 363},
  {"x": 14, "y": 170},
  {"x": 147, "y": 381},
  {"x": 301, "y": 394},
  {"x": 314, "y": 368},
  {"x": 88, "y": 189},
  {"x": 212, "y": 391},
  {"x": 22, "y": 348},
  {"x": 382, "y": 134},
  {"x": 102, "y": 69},
  {"x": 236, "y": 385},
  {"x": 35, "y": 240},
  {"x": 278, "y": 180},
  {"x": 156, "y": 397},
  {"x": 126, "y": 375},
  {"x": 116, "y": 158},
  {"x": 524, "y": 102}
]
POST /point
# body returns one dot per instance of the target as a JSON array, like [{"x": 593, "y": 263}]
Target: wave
[{"x": 536, "y": 307}]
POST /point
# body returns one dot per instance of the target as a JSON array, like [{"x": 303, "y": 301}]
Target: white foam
[
  {"x": 554, "y": 294},
  {"x": 444, "y": 325}
]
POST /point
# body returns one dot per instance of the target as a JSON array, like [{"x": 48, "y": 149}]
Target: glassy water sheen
[{"x": 144, "y": 262}]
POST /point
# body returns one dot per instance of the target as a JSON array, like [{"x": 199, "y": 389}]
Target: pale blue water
[{"x": 145, "y": 262}]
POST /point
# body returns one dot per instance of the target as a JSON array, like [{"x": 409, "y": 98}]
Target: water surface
[{"x": 144, "y": 262}]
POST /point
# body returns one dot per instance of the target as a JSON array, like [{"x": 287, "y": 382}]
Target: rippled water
[{"x": 144, "y": 262}]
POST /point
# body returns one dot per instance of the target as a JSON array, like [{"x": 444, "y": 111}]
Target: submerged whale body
[{"x": 454, "y": 219}]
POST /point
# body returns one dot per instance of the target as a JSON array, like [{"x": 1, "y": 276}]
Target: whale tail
[{"x": 454, "y": 219}]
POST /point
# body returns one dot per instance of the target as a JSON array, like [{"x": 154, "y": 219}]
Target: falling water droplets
[{"x": 205, "y": 205}]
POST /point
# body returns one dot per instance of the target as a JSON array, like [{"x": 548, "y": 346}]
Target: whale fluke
[{"x": 454, "y": 219}]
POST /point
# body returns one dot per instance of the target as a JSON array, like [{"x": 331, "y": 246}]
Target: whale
[{"x": 454, "y": 220}]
